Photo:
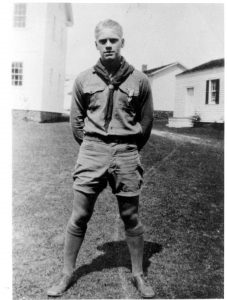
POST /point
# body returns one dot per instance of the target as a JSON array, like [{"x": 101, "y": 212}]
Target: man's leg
[
  {"x": 83, "y": 205},
  {"x": 128, "y": 208}
]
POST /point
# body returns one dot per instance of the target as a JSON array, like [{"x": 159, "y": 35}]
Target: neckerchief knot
[{"x": 113, "y": 83}]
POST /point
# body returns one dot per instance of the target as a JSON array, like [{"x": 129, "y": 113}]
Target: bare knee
[
  {"x": 81, "y": 214},
  {"x": 83, "y": 205},
  {"x": 128, "y": 209},
  {"x": 130, "y": 219}
]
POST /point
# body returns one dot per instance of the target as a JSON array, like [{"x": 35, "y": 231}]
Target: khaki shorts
[{"x": 100, "y": 163}]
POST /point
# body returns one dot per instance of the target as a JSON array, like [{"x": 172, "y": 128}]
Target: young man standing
[{"x": 111, "y": 118}]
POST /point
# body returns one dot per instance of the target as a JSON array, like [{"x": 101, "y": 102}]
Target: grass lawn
[
  {"x": 181, "y": 208},
  {"x": 204, "y": 130}
]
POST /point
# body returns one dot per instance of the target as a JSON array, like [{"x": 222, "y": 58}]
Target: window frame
[
  {"x": 190, "y": 88},
  {"x": 20, "y": 15},
  {"x": 17, "y": 74},
  {"x": 212, "y": 94}
]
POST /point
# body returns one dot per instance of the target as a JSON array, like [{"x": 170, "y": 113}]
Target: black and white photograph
[{"x": 117, "y": 150}]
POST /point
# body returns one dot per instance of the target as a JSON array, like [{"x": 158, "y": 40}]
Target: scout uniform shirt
[{"x": 132, "y": 112}]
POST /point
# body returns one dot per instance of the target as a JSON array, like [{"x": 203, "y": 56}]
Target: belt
[{"x": 111, "y": 138}]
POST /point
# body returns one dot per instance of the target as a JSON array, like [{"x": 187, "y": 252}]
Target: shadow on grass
[{"x": 115, "y": 255}]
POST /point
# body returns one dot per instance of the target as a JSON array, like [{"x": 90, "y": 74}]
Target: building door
[{"x": 190, "y": 106}]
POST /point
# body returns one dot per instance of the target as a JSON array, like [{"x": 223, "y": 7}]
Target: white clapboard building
[
  {"x": 163, "y": 82},
  {"x": 199, "y": 94},
  {"x": 38, "y": 62}
]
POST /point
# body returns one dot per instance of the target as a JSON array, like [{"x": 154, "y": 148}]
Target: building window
[
  {"x": 190, "y": 91},
  {"x": 212, "y": 91},
  {"x": 20, "y": 15},
  {"x": 17, "y": 73}
]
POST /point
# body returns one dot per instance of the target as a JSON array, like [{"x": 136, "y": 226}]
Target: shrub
[{"x": 196, "y": 120}]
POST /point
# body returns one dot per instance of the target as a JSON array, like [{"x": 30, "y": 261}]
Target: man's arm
[
  {"x": 78, "y": 111},
  {"x": 147, "y": 113}
]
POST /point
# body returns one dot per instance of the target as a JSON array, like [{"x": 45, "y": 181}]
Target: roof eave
[
  {"x": 163, "y": 69},
  {"x": 198, "y": 71},
  {"x": 205, "y": 67}
]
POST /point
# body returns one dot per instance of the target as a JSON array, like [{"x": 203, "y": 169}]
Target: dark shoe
[
  {"x": 145, "y": 290},
  {"x": 66, "y": 282}
]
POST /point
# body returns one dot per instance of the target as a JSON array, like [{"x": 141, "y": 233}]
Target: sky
[{"x": 155, "y": 34}]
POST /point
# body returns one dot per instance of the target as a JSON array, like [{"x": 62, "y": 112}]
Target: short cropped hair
[{"x": 108, "y": 23}]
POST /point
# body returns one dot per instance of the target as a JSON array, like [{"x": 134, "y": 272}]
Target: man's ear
[{"x": 122, "y": 43}]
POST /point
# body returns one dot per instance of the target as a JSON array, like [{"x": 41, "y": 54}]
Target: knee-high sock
[
  {"x": 83, "y": 205},
  {"x": 136, "y": 246},
  {"x": 71, "y": 250}
]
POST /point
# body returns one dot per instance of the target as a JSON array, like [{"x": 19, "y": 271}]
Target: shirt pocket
[
  {"x": 94, "y": 96},
  {"x": 129, "y": 99}
]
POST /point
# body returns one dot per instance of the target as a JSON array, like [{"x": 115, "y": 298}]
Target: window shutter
[
  {"x": 207, "y": 91},
  {"x": 217, "y": 91}
]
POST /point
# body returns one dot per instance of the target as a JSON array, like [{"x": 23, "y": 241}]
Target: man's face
[{"x": 109, "y": 44}]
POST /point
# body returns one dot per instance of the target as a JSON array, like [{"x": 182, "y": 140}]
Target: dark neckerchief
[{"x": 113, "y": 83}]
